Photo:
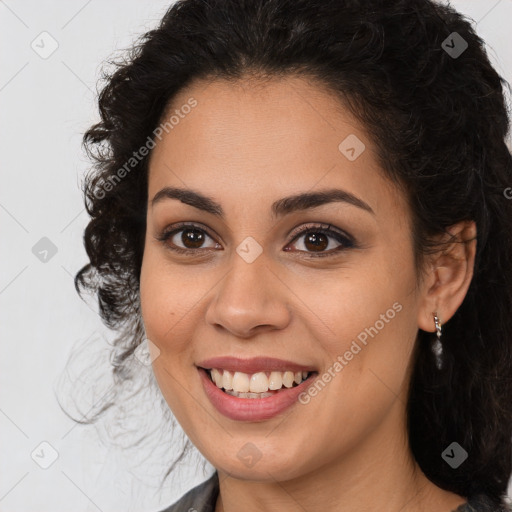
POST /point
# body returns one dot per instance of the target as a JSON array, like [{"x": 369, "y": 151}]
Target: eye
[
  {"x": 317, "y": 240},
  {"x": 192, "y": 237}
]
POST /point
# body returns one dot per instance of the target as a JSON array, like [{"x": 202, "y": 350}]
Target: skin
[{"x": 247, "y": 144}]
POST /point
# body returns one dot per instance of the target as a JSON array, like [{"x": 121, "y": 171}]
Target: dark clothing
[
  {"x": 204, "y": 497},
  {"x": 199, "y": 499}
]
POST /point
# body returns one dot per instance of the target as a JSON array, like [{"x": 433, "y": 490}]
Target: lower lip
[{"x": 251, "y": 409}]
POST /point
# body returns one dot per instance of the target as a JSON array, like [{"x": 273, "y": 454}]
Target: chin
[{"x": 267, "y": 468}]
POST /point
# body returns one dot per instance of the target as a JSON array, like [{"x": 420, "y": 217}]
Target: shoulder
[
  {"x": 201, "y": 498},
  {"x": 481, "y": 503}
]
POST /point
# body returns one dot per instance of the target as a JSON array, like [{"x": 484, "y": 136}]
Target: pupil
[
  {"x": 194, "y": 237},
  {"x": 319, "y": 241}
]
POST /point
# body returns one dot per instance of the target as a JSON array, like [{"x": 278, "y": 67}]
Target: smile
[
  {"x": 253, "y": 389},
  {"x": 256, "y": 385}
]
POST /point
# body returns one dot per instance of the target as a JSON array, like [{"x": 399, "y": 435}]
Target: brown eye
[
  {"x": 316, "y": 239},
  {"x": 192, "y": 239}
]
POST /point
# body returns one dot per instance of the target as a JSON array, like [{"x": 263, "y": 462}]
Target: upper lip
[{"x": 253, "y": 365}]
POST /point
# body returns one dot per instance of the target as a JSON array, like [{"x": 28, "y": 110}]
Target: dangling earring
[{"x": 437, "y": 347}]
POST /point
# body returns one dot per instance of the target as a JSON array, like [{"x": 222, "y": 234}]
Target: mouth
[
  {"x": 256, "y": 385},
  {"x": 253, "y": 390}
]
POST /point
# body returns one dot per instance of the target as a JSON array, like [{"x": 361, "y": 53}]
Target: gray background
[{"x": 46, "y": 104}]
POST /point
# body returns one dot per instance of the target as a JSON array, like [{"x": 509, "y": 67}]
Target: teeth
[
  {"x": 249, "y": 395},
  {"x": 216, "y": 376},
  {"x": 241, "y": 382},
  {"x": 227, "y": 380},
  {"x": 256, "y": 385},
  {"x": 275, "y": 380},
  {"x": 288, "y": 379}
]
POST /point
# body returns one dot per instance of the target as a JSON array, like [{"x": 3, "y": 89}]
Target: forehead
[{"x": 251, "y": 139}]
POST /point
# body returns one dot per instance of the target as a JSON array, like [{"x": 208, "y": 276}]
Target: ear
[{"x": 448, "y": 275}]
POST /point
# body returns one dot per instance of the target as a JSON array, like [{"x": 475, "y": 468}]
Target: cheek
[
  {"x": 164, "y": 299},
  {"x": 368, "y": 318},
  {"x": 354, "y": 305},
  {"x": 164, "y": 306}
]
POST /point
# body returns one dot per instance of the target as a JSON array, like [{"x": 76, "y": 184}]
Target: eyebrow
[{"x": 286, "y": 205}]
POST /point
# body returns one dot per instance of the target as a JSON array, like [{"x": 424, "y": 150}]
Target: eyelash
[{"x": 347, "y": 242}]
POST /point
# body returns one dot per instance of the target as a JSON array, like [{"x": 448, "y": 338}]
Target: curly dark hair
[{"x": 439, "y": 121}]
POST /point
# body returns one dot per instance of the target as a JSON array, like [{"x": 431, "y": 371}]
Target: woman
[{"x": 302, "y": 206}]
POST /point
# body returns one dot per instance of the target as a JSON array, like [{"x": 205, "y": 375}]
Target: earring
[{"x": 437, "y": 347}]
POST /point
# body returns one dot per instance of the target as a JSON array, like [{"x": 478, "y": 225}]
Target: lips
[
  {"x": 254, "y": 365},
  {"x": 251, "y": 408}
]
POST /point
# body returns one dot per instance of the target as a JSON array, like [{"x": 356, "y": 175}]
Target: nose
[{"x": 249, "y": 299}]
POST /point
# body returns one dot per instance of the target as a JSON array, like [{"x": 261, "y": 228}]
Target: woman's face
[{"x": 257, "y": 291}]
